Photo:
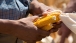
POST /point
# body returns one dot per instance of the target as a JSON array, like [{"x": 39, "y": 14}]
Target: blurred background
[{"x": 57, "y": 4}]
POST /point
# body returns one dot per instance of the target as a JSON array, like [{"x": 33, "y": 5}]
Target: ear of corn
[
  {"x": 45, "y": 23},
  {"x": 47, "y": 27}
]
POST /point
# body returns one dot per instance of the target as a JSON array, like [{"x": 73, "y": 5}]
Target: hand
[
  {"x": 64, "y": 32},
  {"x": 56, "y": 26},
  {"x": 30, "y": 32},
  {"x": 37, "y": 8}
]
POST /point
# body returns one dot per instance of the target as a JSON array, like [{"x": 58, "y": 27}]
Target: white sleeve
[{"x": 69, "y": 19}]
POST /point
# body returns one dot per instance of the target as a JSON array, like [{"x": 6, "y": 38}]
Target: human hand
[
  {"x": 64, "y": 32},
  {"x": 30, "y": 33},
  {"x": 37, "y": 8},
  {"x": 56, "y": 26}
]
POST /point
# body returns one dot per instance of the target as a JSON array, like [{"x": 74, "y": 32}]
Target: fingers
[
  {"x": 43, "y": 33},
  {"x": 31, "y": 41},
  {"x": 39, "y": 38},
  {"x": 32, "y": 18},
  {"x": 47, "y": 11}
]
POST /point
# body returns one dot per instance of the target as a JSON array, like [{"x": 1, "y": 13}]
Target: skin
[
  {"x": 24, "y": 28},
  {"x": 64, "y": 32},
  {"x": 37, "y": 8}
]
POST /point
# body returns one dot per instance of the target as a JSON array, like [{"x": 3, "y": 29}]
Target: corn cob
[
  {"x": 45, "y": 23},
  {"x": 47, "y": 27}
]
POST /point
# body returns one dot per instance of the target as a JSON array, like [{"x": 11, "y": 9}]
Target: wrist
[
  {"x": 7, "y": 26},
  {"x": 17, "y": 28}
]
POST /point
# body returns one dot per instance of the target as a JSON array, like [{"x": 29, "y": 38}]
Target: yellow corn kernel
[
  {"x": 45, "y": 21},
  {"x": 56, "y": 13},
  {"x": 47, "y": 27},
  {"x": 51, "y": 18}
]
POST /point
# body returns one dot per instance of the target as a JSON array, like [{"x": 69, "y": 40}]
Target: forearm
[
  {"x": 12, "y": 27},
  {"x": 16, "y": 28},
  {"x": 7, "y": 26}
]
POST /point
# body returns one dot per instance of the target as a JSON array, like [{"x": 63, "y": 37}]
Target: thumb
[
  {"x": 43, "y": 33},
  {"x": 32, "y": 18},
  {"x": 46, "y": 13}
]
